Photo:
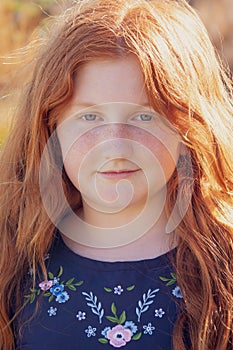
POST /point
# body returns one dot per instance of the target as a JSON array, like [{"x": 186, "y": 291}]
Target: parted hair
[{"x": 185, "y": 82}]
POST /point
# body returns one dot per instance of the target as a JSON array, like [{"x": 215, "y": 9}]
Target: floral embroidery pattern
[
  {"x": 52, "y": 311},
  {"x": 148, "y": 329},
  {"x": 120, "y": 330},
  {"x": 90, "y": 331},
  {"x": 177, "y": 292},
  {"x": 53, "y": 288},
  {"x": 131, "y": 326},
  {"x": 170, "y": 281},
  {"x": 114, "y": 318},
  {"x": 159, "y": 313},
  {"x": 95, "y": 306},
  {"x": 143, "y": 306},
  {"x": 120, "y": 334},
  {"x": 81, "y": 315},
  {"x": 45, "y": 285},
  {"x": 118, "y": 290}
]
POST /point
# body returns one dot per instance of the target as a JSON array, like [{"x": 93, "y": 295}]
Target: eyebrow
[{"x": 89, "y": 104}]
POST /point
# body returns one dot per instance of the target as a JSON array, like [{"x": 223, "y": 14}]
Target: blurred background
[{"x": 19, "y": 18}]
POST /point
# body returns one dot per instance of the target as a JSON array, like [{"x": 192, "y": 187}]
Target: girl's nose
[{"x": 118, "y": 141}]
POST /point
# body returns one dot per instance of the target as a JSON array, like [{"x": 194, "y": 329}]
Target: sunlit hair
[{"x": 186, "y": 83}]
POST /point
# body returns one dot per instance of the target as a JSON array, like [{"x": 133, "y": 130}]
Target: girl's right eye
[{"x": 89, "y": 117}]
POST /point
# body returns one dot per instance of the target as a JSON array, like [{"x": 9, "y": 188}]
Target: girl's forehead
[{"x": 110, "y": 80}]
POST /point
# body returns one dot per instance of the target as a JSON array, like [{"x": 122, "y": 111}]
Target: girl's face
[{"x": 109, "y": 133}]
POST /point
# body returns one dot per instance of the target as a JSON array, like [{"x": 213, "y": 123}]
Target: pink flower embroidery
[
  {"x": 119, "y": 336},
  {"x": 45, "y": 285}
]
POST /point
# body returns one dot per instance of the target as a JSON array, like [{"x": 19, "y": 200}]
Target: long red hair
[{"x": 183, "y": 73}]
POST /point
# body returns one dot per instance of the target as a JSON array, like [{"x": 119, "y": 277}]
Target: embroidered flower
[
  {"x": 62, "y": 297},
  {"x": 177, "y": 292},
  {"x": 45, "y": 285},
  {"x": 81, "y": 315},
  {"x": 148, "y": 329},
  {"x": 119, "y": 336},
  {"x": 90, "y": 331},
  {"x": 52, "y": 311},
  {"x": 105, "y": 330},
  {"x": 56, "y": 280},
  {"x": 118, "y": 290},
  {"x": 57, "y": 289},
  {"x": 131, "y": 326},
  {"x": 159, "y": 313}
]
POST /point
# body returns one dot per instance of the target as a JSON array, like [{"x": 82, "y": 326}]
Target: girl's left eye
[
  {"x": 89, "y": 117},
  {"x": 144, "y": 117}
]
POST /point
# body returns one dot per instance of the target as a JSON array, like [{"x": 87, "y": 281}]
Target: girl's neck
[{"x": 151, "y": 244}]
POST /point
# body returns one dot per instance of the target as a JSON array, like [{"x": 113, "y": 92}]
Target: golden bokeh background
[{"x": 19, "y": 18}]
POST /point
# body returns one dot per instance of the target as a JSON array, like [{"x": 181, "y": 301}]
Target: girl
[{"x": 131, "y": 91}]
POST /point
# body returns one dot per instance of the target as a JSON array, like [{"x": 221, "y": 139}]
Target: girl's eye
[
  {"x": 144, "y": 117},
  {"x": 90, "y": 117}
]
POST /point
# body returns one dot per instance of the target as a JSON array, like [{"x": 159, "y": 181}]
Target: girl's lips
[{"x": 120, "y": 174}]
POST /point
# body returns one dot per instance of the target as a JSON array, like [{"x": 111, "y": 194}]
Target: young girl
[{"x": 116, "y": 186}]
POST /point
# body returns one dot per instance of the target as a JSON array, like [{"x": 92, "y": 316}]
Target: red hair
[{"x": 182, "y": 72}]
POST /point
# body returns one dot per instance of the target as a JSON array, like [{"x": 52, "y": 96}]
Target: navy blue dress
[{"x": 92, "y": 305}]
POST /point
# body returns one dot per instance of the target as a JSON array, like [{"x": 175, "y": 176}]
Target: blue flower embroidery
[
  {"x": 177, "y": 292},
  {"x": 81, "y": 315},
  {"x": 131, "y": 325},
  {"x": 105, "y": 330},
  {"x": 90, "y": 331},
  {"x": 148, "y": 329},
  {"x": 118, "y": 290},
  {"x": 56, "y": 280},
  {"x": 52, "y": 311},
  {"x": 57, "y": 289},
  {"x": 62, "y": 297},
  {"x": 53, "y": 289},
  {"x": 159, "y": 313}
]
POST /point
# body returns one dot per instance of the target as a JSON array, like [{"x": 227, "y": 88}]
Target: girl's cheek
[{"x": 108, "y": 142}]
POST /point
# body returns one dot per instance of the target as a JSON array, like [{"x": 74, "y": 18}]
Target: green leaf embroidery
[
  {"x": 71, "y": 287},
  {"x": 122, "y": 318},
  {"x": 164, "y": 279},
  {"x": 109, "y": 290},
  {"x": 115, "y": 319},
  {"x": 69, "y": 284},
  {"x": 51, "y": 276},
  {"x": 78, "y": 283},
  {"x": 173, "y": 275},
  {"x": 103, "y": 340},
  {"x": 137, "y": 336},
  {"x": 60, "y": 272},
  {"x": 51, "y": 298},
  {"x": 169, "y": 281},
  {"x": 130, "y": 288},
  {"x": 30, "y": 297},
  {"x": 70, "y": 281},
  {"x": 112, "y": 319},
  {"x": 114, "y": 310}
]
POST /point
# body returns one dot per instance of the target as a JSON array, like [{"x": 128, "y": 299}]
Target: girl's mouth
[{"x": 118, "y": 174}]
